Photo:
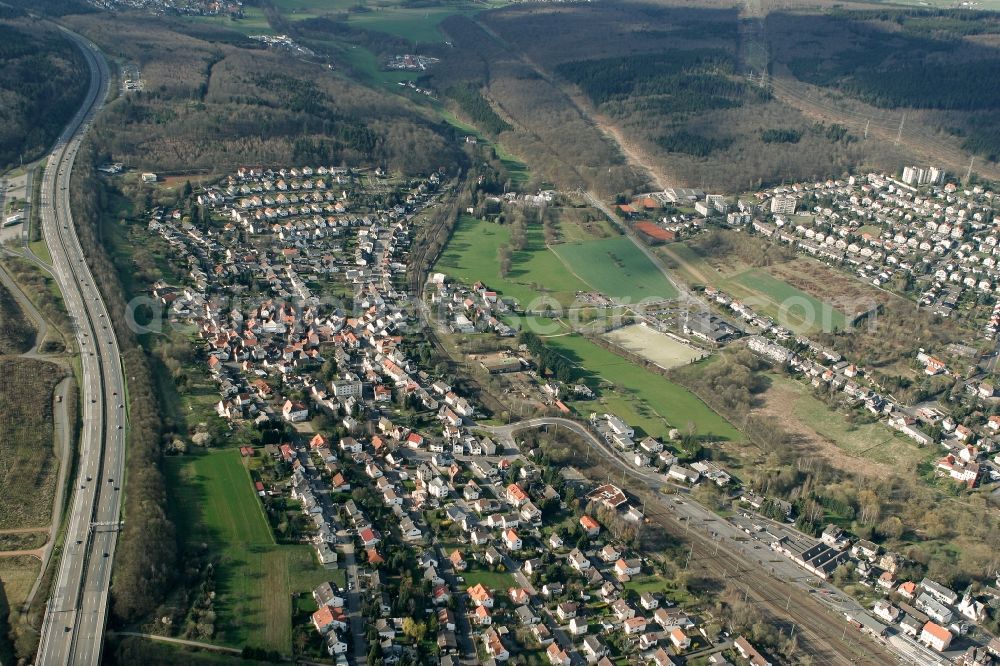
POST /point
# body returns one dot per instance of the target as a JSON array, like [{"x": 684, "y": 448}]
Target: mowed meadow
[
  {"x": 256, "y": 578},
  {"x": 617, "y": 268}
]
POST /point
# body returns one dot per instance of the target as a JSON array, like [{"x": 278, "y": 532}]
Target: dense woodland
[
  {"x": 698, "y": 79},
  {"x": 672, "y": 81},
  {"x": 561, "y": 145},
  {"x": 16, "y": 332},
  {"x": 213, "y": 106},
  {"x": 472, "y": 102},
  {"x": 42, "y": 80},
  {"x": 902, "y": 58}
]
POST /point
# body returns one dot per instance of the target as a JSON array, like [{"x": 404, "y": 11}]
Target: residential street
[{"x": 357, "y": 622}]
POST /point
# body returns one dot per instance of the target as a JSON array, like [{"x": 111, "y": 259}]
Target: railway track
[{"x": 822, "y": 632}]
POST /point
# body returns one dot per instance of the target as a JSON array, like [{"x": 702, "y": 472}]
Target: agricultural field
[
  {"x": 471, "y": 255},
  {"x": 643, "y": 398},
  {"x": 617, "y": 268},
  {"x": 28, "y": 464},
  {"x": 654, "y": 346},
  {"x": 214, "y": 503},
  {"x": 419, "y": 24}
]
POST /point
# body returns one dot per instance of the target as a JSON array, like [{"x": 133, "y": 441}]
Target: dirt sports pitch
[{"x": 654, "y": 346}]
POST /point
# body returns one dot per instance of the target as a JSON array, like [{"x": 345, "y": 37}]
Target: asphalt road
[
  {"x": 76, "y": 612},
  {"x": 778, "y": 589}
]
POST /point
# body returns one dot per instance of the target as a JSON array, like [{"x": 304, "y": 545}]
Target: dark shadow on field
[{"x": 6, "y": 646}]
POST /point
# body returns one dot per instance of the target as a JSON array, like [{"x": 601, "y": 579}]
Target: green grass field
[
  {"x": 616, "y": 268},
  {"x": 786, "y": 304},
  {"x": 643, "y": 398},
  {"x": 471, "y": 255},
  {"x": 367, "y": 66},
  {"x": 253, "y": 22},
  {"x": 215, "y": 504},
  {"x": 499, "y": 582},
  {"x": 518, "y": 170}
]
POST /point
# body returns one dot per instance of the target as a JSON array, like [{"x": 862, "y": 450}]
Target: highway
[{"x": 76, "y": 612}]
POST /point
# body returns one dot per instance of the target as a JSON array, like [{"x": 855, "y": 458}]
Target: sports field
[
  {"x": 643, "y": 398},
  {"x": 214, "y": 503},
  {"x": 616, "y": 268},
  {"x": 471, "y": 255},
  {"x": 789, "y": 306},
  {"x": 654, "y": 346}
]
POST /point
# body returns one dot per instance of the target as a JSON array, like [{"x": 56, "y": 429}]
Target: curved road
[{"x": 76, "y": 612}]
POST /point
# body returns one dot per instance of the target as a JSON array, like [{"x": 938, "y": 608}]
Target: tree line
[
  {"x": 548, "y": 359},
  {"x": 146, "y": 558}
]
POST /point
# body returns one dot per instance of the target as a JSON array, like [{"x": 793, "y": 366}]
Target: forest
[
  {"x": 780, "y": 135},
  {"x": 478, "y": 109},
  {"x": 903, "y": 58},
  {"x": 694, "y": 80},
  {"x": 670, "y": 79},
  {"x": 41, "y": 84},
  {"x": 698, "y": 145},
  {"x": 213, "y": 106}
]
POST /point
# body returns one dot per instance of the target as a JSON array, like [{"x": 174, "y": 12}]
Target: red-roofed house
[
  {"x": 679, "y": 639},
  {"x": 935, "y": 636},
  {"x": 515, "y": 495},
  {"x": 907, "y": 590},
  {"x": 369, "y": 537},
  {"x": 481, "y": 596},
  {"x": 323, "y": 620},
  {"x": 590, "y": 526}
]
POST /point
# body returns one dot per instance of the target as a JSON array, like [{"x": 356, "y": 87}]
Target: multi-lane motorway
[{"x": 75, "y": 616}]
